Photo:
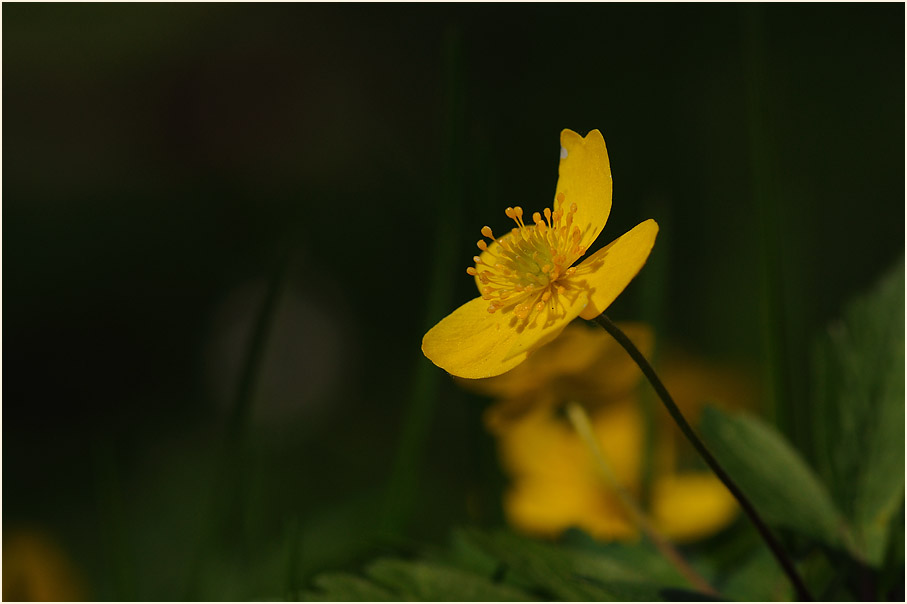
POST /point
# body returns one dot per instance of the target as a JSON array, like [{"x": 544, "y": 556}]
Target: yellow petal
[
  {"x": 691, "y": 505},
  {"x": 37, "y": 569},
  {"x": 473, "y": 343},
  {"x": 583, "y": 363},
  {"x": 620, "y": 431},
  {"x": 584, "y": 178},
  {"x": 608, "y": 271},
  {"x": 547, "y": 509},
  {"x": 572, "y": 352},
  {"x": 556, "y": 483},
  {"x": 544, "y": 446}
]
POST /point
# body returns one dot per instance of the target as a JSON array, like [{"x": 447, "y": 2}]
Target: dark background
[{"x": 174, "y": 175}]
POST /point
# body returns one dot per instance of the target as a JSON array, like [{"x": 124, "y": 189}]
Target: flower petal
[
  {"x": 556, "y": 484},
  {"x": 584, "y": 177},
  {"x": 546, "y": 509},
  {"x": 691, "y": 505},
  {"x": 608, "y": 271},
  {"x": 571, "y": 353},
  {"x": 473, "y": 343}
]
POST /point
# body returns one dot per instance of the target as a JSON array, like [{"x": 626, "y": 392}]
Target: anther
[
  {"x": 482, "y": 245},
  {"x": 522, "y": 311},
  {"x": 472, "y": 271},
  {"x": 486, "y": 232}
]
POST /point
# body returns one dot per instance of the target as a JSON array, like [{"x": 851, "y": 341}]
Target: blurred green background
[{"x": 227, "y": 227}]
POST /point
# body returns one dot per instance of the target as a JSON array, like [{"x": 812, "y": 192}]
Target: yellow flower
[
  {"x": 529, "y": 288},
  {"x": 554, "y": 482},
  {"x": 36, "y": 569},
  {"x": 581, "y": 364}
]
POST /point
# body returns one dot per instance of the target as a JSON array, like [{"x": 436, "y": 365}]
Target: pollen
[{"x": 525, "y": 269}]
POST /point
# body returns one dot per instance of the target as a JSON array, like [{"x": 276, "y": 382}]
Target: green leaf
[
  {"x": 425, "y": 581},
  {"x": 858, "y": 374},
  {"x": 568, "y": 573},
  {"x": 466, "y": 555},
  {"x": 615, "y": 561},
  {"x": 344, "y": 587},
  {"x": 758, "y": 579},
  {"x": 772, "y": 474},
  {"x": 391, "y": 579}
]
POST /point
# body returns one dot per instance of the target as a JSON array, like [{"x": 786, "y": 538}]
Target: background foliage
[{"x": 226, "y": 229}]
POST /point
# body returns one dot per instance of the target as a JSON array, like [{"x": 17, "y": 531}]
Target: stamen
[
  {"x": 522, "y": 311},
  {"x": 525, "y": 271}
]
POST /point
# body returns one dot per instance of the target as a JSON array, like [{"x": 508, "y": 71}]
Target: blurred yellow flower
[
  {"x": 529, "y": 288},
  {"x": 578, "y": 365},
  {"x": 36, "y": 569},
  {"x": 555, "y": 483}
]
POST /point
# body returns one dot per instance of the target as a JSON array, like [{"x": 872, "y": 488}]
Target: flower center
[{"x": 526, "y": 265}]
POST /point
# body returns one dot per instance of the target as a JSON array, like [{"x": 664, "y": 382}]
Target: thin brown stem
[
  {"x": 580, "y": 420},
  {"x": 780, "y": 555}
]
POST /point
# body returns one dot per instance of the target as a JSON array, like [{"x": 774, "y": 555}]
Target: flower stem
[
  {"x": 780, "y": 555},
  {"x": 580, "y": 420}
]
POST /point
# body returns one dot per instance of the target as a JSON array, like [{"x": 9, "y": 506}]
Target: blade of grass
[
  {"x": 404, "y": 477},
  {"x": 785, "y": 402},
  {"x": 113, "y": 531},
  {"x": 227, "y": 515}
]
